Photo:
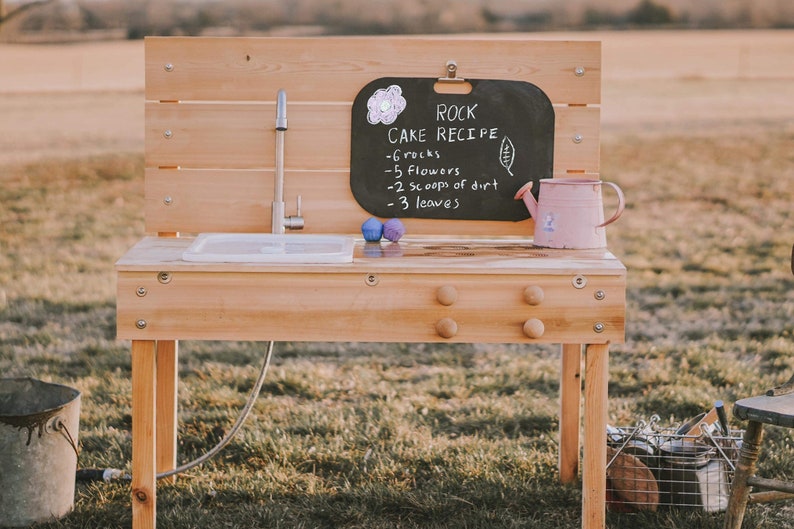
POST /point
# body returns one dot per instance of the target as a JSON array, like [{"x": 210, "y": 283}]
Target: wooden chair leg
[{"x": 745, "y": 468}]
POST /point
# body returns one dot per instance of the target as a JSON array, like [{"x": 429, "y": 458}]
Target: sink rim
[{"x": 342, "y": 253}]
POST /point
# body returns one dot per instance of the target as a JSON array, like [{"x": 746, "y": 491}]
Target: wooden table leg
[
  {"x": 570, "y": 416},
  {"x": 167, "y": 381},
  {"x": 144, "y": 495},
  {"x": 594, "y": 472}
]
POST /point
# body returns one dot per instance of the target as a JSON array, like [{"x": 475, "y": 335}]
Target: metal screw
[
  {"x": 600, "y": 295},
  {"x": 168, "y": 201},
  {"x": 141, "y": 291},
  {"x": 372, "y": 280},
  {"x": 167, "y": 133},
  {"x": 579, "y": 281},
  {"x": 599, "y": 327},
  {"x": 164, "y": 277},
  {"x": 141, "y": 324},
  {"x": 579, "y": 71},
  {"x": 168, "y": 67},
  {"x": 578, "y": 138}
]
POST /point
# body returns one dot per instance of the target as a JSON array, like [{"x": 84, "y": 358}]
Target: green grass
[{"x": 398, "y": 435}]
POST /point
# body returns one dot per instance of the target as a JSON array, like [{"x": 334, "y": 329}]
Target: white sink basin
[{"x": 269, "y": 248}]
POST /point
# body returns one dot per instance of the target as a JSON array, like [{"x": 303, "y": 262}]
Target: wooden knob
[
  {"x": 447, "y": 295},
  {"x": 446, "y": 327},
  {"x": 533, "y": 295},
  {"x": 534, "y": 328}
]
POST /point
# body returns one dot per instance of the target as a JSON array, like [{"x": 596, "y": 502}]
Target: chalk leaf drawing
[
  {"x": 385, "y": 105},
  {"x": 507, "y": 154}
]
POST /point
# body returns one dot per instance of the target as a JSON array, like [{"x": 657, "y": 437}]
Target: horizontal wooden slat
[
  {"x": 195, "y": 201},
  {"x": 250, "y": 306},
  {"x": 242, "y": 136},
  {"x": 335, "y": 68}
]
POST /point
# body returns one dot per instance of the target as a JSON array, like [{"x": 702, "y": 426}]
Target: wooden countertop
[{"x": 425, "y": 255}]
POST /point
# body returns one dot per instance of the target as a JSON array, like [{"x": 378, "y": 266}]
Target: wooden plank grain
[
  {"x": 239, "y": 69},
  {"x": 235, "y": 200},
  {"x": 242, "y": 136}
]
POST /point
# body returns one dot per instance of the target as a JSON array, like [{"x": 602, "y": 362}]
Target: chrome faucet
[{"x": 279, "y": 222}]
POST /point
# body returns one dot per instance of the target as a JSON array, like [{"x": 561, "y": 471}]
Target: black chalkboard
[{"x": 419, "y": 153}]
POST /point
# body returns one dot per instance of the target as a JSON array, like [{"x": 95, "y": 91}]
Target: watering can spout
[{"x": 525, "y": 194}]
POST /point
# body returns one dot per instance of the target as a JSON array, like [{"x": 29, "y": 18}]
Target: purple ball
[{"x": 393, "y": 229}]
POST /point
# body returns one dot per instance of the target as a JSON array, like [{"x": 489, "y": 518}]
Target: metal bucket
[
  {"x": 39, "y": 422},
  {"x": 693, "y": 475}
]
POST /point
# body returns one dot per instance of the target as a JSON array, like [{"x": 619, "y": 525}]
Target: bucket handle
[
  {"x": 59, "y": 426},
  {"x": 621, "y": 204}
]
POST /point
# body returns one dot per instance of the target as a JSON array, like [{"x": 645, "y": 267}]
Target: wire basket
[{"x": 650, "y": 467}]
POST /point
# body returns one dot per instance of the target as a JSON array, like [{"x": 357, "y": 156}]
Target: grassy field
[
  {"x": 438, "y": 436},
  {"x": 359, "y": 435}
]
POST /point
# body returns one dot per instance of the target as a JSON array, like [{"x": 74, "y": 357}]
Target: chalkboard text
[{"x": 416, "y": 152}]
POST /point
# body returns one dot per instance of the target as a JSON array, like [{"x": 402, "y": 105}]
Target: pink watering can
[{"x": 569, "y": 212}]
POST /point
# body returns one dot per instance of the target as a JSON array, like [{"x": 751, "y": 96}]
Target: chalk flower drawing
[{"x": 385, "y": 105}]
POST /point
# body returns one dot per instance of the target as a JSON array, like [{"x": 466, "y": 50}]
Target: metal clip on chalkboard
[{"x": 452, "y": 74}]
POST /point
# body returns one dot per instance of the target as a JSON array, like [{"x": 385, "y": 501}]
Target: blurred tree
[
  {"x": 649, "y": 13},
  {"x": 6, "y": 15}
]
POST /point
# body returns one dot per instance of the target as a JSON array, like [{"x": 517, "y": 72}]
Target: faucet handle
[{"x": 295, "y": 222}]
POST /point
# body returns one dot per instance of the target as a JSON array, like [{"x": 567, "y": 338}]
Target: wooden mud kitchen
[{"x": 438, "y": 132}]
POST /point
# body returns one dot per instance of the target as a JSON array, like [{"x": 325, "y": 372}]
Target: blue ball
[{"x": 372, "y": 229}]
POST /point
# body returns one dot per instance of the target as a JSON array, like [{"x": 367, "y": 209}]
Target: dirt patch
[
  {"x": 70, "y": 100},
  {"x": 84, "y": 67}
]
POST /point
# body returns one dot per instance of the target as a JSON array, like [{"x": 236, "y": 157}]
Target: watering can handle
[{"x": 621, "y": 204}]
